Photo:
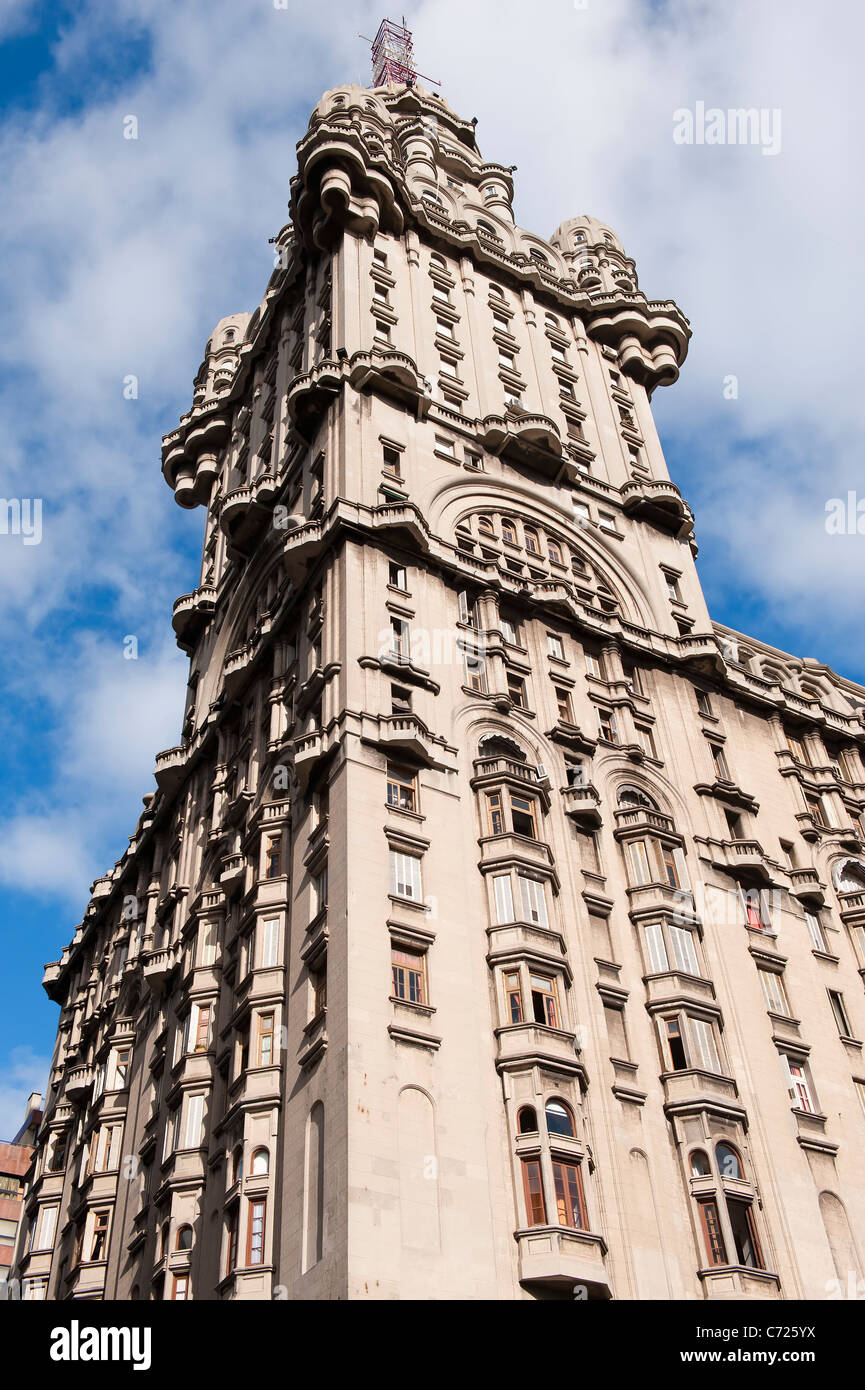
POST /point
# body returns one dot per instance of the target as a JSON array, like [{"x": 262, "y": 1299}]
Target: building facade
[
  {"x": 497, "y": 928},
  {"x": 15, "y": 1157}
]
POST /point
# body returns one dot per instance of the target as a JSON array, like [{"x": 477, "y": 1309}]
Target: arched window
[
  {"x": 527, "y": 1120},
  {"x": 554, "y": 550},
  {"x": 633, "y": 796},
  {"x": 509, "y": 531},
  {"x": 700, "y": 1166},
  {"x": 729, "y": 1163},
  {"x": 538, "y": 256},
  {"x": 533, "y": 544},
  {"x": 551, "y": 321},
  {"x": 437, "y": 260},
  {"x": 485, "y": 526},
  {"x": 497, "y": 292},
  {"x": 260, "y": 1163},
  {"x": 559, "y": 1118},
  {"x": 229, "y": 335},
  {"x": 851, "y": 877},
  {"x": 184, "y": 1238},
  {"x": 488, "y": 230},
  {"x": 579, "y": 237}
]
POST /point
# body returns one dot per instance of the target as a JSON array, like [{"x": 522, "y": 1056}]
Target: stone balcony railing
[{"x": 560, "y": 1256}]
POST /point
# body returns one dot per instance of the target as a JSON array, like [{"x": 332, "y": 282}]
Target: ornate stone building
[{"x": 496, "y": 929}]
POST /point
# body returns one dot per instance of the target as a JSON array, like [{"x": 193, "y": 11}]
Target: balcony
[
  {"x": 560, "y": 1257},
  {"x": 674, "y": 987},
  {"x": 702, "y": 652},
  {"x": 170, "y": 768},
  {"x": 805, "y": 885},
  {"x": 522, "y": 1045},
  {"x": 735, "y": 1281},
  {"x": 158, "y": 966},
  {"x": 301, "y": 544},
  {"x": 308, "y": 749},
  {"x": 659, "y": 502},
  {"x": 641, "y": 820},
  {"x": 528, "y": 437},
  {"x": 232, "y": 873},
  {"x": 583, "y": 804},
  {"x": 190, "y": 614},
  {"x": 515, "y": 849},
  {"x": 406, "y": 733},
  {"x": 650, "y": 899},
  {"x": 79, "y": 1081},
  {"x": 687, "y": 1092},
  {"x": 51, "y": 981},
  {"x": 744, "y": 859}
]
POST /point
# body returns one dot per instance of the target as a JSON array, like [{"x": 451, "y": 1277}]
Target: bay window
[
  {"x": 688, "y": 1043},
  {"x": 651, "y": 861}
]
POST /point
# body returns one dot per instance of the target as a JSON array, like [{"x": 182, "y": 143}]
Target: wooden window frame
[
  {"x": 401, "y": 783},
  {"x": 255, "y": 1240},
  {"x": 408, "y": 974},
  {"x": 265, "y": 1034},
  {"x": 713, "y": 1234},
  {"x": 571, "y": 1187},
  {"x": 533, "y": 1192}
]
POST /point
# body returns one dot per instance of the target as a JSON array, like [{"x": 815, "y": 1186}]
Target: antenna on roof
[{"x": 393, "y": 56}]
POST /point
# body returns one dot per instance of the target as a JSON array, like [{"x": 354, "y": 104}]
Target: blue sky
[{"x": 120, "y": 256}]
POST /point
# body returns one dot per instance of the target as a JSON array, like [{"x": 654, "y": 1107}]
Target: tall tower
[{"x": 495, "y": 929}]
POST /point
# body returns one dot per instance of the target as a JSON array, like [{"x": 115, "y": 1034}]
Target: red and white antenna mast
[{"x": 393, "y": 56}]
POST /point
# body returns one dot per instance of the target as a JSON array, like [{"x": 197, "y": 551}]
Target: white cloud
[{"x": 23, "y": 1073}]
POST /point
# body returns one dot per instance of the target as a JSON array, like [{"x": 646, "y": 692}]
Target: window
[
  {"x": 401, "y": 788},
  {"x": 382, "y": 330},
  {"x": 183, "y": 1240},
  {"x": 700, "y": 1166},
  {"x": 202, "y": 1028},
  {"x": 476, "y": 679},
  {"x": 672, "y": 585},
  {"x": 445, "y": 446},
  {"x": 390, "y": 459},
  {"x": 509, "y": 531},
  {"x": 255, "y": 1239},
  {"x": 273, "y": 856},
  {"x": 563, "y": 705},
  {"x": 756, "y": 910},
  {"x": 506, "y": 360},
  {"x": 485, "y": 526},
  {"x": 712, "y": 1234},
  {"x": 656, "y": 948},
  {"x": 688, "y": 1042},
  {"x": 397, "y": 577},
  {"x": 45, "y": 1228},
  {"x": 651, "y": 861},
  {"x": 319, "y": 892},
  {"x": 533, "y": 900},
  {"x": 646, "y": 739},
  {"x": 798, "y": 1085},
  {"x": 797, "y": 748},
  {"x": 318, "y": 980},
  {"x": 559, "y": 1118},
  {"x": 504, "y": 898},
  {"x": 684, "y": 955},
  {"x": 607, "y": 521},
  {"x": 842, "y": 1022},
  {"x": 704, "y": 704},
  {"x": 400, "y": 639},
  {"x": 400, "y": 700},
  {"x": 265, "y": 1040},
  {"x": 545, "y": 1008},
  {"x": 517, "y": 690},
  {"x": 534, "y": 1192},
  {"x": 568, "y": 1186},
  {"x": 106, "y": 1151},
  {"x": 35, "y": 1290},
  {"x": 118, "y": 1071},
  {"x": 774, "y": 992},
  {"x": 448, "y": 367},
  {"x": 722, "y": 770},
  {"x": 405, "y": 878},
  {"x": 180, "y": 1288},
  {"x": 555, "y": 646},
  {"x": 510, "y": 629},
  {"x": 444, "y": 328},
  {"x": 267, "y": 934},
  {"x": 533, "y": 543},
  {"x": 233, "y": 1221},
  {"x": 744, "y": 1234},
  {"x": 99, "y": 1236},
  {"x": 607, "y": 726},
  {"x": 559, "y": 354},
  {"x": 523, "y": 814},
  {"x": 260, "y": 1165},
  {"x": 815, "y": 931},
  {"x": 193, "y": 1132},
  {"x": 734, "y": 825},
  {"x": 379, "y": 256},
  {"x": 527, "y": 1120},
  {"x": 514, "y": 999},
  {"x": 595, "y": 664},
  {"x": 408, "y": 975}
]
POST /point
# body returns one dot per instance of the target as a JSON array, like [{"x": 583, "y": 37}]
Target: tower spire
[{"x": 393, "y": 56}]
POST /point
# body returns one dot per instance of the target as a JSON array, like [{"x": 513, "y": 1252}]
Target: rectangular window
[
  {"x": 180, "y": 1288},
  {"x": 513, "y": 996},
  {"x": 555, "y": 646},
  {"x": 675, "y": 1058},
  {"x": 704, "y": 704},
  {"x": 445, "y": 446},
  {"x": 121, "y": 1059},
  {"x": 703, "y": 1040},
  {"x": 273, "y": 856},
  {"x": 444, "y": 328},
  {"x": 400, "y": 700},
  {"x": 255, "y": 1240},
  {"x": 504, "y": 898},
  {"x": 685, "y": 956},
  {"x": 672, "y": 584},
  {"x": 401, "y": 787},
  {"x": 545, "y": 1008},
  {"x": 656, "y": 950},
  {"x": 495, "y": 813},
  {"x": 400, "y": 639},
  {"x": 208, "y": 940},
  {"x": 774, "y": 992},
  {"x": 517, "y": 691},
  {"x": 318, "y": 980},
  {"x": 744, "y": 1234},
  {"x": 265, "y": 1040},
  {"x": 842, "y": 1022},
  {"x": 798, "y": 749},
  {"x": 476, "y": 679},
  {"x": 533, "y": 900},
  {"x": 607, "y": 521},
  {"x": 563, "y": 705},
  {"x": 534, "y": 1192},
  {"x": 192, "y": 1135},
  {"x": 595, "y": 665},
  {"x": 570, "y": 1203},
  {"x": 106, "y": 1153},
  {"x": 646, "y": 740},
  {"x": 397, "y": 577},
  {"x": 405, "y": 878},
  {"x": 35, "y": 1290},
  {"x": 46, "y": 1227},
  {"x": 390, "y": 460},
  {"x": 319, "y": 892},
  {"x": 523, "y": 815},
  {"x": 815, "y": 931},
  {"x": 268, "y": 942},
  {"x": 382, "y": 330},
  {"x": 798, "y": 1086},
  {"x": 233, "y": 1221},
  {"x": 756, "y": 916},
  {"x": 510, "y": 629},
  {"x": 607, "y": 726},
  {"x": 408, "y": 972},
  {"x": 712, "y": 1233},
  {"x": 99, "y": 1236},
  {"x": 722, "y": 770}
]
